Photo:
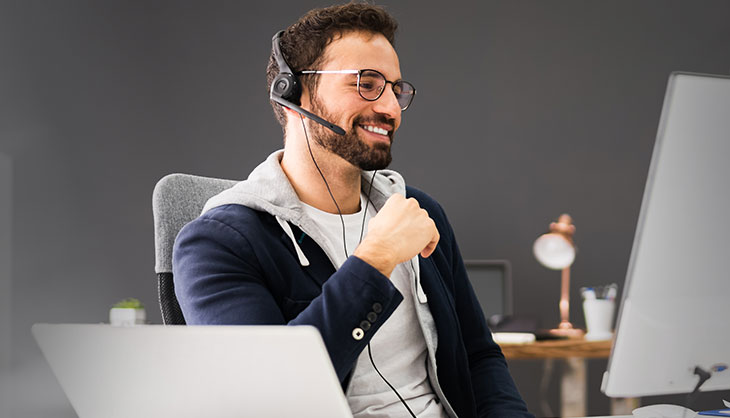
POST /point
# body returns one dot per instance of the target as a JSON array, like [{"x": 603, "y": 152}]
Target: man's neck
[{"x": 342, "y": 177}]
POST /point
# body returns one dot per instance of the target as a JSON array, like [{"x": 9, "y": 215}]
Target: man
[{"x": 321, "y": 235}]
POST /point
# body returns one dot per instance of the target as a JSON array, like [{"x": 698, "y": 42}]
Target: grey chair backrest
[{"x": 177, "y": 200}]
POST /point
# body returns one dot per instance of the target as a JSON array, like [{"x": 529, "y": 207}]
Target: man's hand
[{"x": 396, "y": 234}]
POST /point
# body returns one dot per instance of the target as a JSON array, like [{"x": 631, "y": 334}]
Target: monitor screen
[
  {"x": 675, "y": 309},
  {"x": 492, "y": 283}
]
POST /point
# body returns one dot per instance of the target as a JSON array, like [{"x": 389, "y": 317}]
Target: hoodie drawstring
[
  {"x": 287, "y": 229},
  {"x": 420, "y": 294}
]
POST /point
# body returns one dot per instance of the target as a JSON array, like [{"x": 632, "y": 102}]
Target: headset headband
[{"x": 278, "y": 56}]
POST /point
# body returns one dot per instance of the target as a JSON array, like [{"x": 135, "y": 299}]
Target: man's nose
[{"x": 387, "y": 103}]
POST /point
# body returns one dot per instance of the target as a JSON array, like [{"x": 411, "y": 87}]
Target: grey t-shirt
[{"x": 398, "y": 348}]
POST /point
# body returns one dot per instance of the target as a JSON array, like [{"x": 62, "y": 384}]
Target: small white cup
[
  {"x": 126, "y": 317},
  {"x": 599, "y": 318}
]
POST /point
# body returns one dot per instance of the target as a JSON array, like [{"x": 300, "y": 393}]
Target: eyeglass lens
[{"x": 372, "y": 83}]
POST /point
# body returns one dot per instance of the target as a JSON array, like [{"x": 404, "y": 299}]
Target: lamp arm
[{"x": 565, "y": 300}]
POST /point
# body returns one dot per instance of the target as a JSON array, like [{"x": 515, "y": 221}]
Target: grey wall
[
  {"x": 525, "y": 110},
  {"x": 6, "y": 323}
]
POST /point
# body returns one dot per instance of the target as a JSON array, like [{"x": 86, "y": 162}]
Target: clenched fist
[{"x": 399, "y": 232}]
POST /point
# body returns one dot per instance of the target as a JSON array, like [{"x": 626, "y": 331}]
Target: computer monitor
[
  {"x": 675, "y": 309},
  {"x": 492, "y": 283}
]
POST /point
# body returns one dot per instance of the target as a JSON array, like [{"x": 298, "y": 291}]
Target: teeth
[{"x": 375, "y": 129}]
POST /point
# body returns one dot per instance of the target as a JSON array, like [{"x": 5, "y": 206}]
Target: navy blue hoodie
[{"x": 254, "y": 257}]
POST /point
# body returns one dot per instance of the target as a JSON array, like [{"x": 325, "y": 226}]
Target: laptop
[{"x": 193, "y": 371}]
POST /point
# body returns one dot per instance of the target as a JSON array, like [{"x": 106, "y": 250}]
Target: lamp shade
[{"x": 554, "y": 251}]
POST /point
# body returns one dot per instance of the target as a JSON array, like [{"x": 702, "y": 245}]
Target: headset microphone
[{"x": 286, "y": 91}]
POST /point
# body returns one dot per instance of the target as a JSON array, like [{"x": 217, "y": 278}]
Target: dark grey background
[{"x": 525, "y": 110}]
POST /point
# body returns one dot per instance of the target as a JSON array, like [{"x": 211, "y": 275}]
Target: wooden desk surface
[{"x": 558, "y": 349}]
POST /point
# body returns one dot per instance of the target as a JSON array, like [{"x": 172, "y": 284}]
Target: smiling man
[{"x": 322, "y": 234}]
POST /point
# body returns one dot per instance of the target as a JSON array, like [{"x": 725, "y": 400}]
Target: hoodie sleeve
[{"x": 222, "y": 278}]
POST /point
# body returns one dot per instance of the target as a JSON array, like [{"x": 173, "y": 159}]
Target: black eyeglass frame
[{"x": 359, "y": 73}]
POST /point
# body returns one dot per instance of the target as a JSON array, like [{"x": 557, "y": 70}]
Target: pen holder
[
  {"x": 599, "y": 305},
  {"x": 599, "y": 318}
]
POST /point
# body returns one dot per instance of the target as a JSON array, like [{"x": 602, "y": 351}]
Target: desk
[
  {"x": 558, "y": 349},
  {"x": 573, "y": 390}
]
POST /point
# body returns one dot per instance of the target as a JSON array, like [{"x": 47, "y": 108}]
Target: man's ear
[
  {"x": 292, "y": 113},
  {"x": 304, "y": 100}
]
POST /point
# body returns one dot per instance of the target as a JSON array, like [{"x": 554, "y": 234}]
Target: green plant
[{"x": 129, "y": 303}]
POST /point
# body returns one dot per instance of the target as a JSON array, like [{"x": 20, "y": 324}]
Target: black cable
[
  {"x": 344, "y": 241},
  {"x": 703, "y": 377},
  {"x": 362, "y": 229},
  {"x": 386, "y": 381},
  {"x": 367, "y": 203}
]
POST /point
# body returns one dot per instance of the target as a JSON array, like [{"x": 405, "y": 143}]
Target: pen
[
  {"x": 612, "y": 292},
  {"x": 588, "y": 293}
]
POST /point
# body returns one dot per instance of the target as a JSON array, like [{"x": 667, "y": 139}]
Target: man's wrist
[{"x": 377, "y": 257}]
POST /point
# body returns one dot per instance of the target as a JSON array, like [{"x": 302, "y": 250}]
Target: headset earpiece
[{"x": 286, "y": 85}]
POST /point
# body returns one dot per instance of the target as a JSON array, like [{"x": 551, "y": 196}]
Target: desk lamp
[{"x": 556, "y": 251}]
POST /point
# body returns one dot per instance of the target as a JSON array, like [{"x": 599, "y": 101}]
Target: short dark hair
[{"x": 304, "y": 42}]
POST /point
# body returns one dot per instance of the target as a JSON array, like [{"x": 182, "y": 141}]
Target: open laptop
[{"x": 193, "y": 371}]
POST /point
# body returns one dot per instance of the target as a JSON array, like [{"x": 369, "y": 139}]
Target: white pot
[{"x": 126, "y": 317}]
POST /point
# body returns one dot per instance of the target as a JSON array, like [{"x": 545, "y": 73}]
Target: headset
[{"x": 286, "y": 90}]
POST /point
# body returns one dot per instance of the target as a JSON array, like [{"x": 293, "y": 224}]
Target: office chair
[{"x": 176, "y": 200}]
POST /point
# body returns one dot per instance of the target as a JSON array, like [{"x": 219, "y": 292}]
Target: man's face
[{"x": 338, "y": 101}]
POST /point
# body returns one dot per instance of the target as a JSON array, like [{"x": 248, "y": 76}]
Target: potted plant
[{"x": 126, "y": 313}]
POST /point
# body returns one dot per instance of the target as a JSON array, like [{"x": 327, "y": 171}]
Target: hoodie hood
[{"x": 268, "y": 189}]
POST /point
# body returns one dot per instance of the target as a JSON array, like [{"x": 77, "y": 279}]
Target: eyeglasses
[{"x": 371, "y": 85}]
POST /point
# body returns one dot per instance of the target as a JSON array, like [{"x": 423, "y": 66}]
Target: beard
[{"x": 350, "y": 146}]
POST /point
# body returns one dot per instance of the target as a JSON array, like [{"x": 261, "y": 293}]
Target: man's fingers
[
  {"x": 426, "y": 252},
  {"x": 405, "y": 227}
]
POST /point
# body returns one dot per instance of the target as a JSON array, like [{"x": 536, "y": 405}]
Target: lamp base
[{"x": 565, "y": 329}]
